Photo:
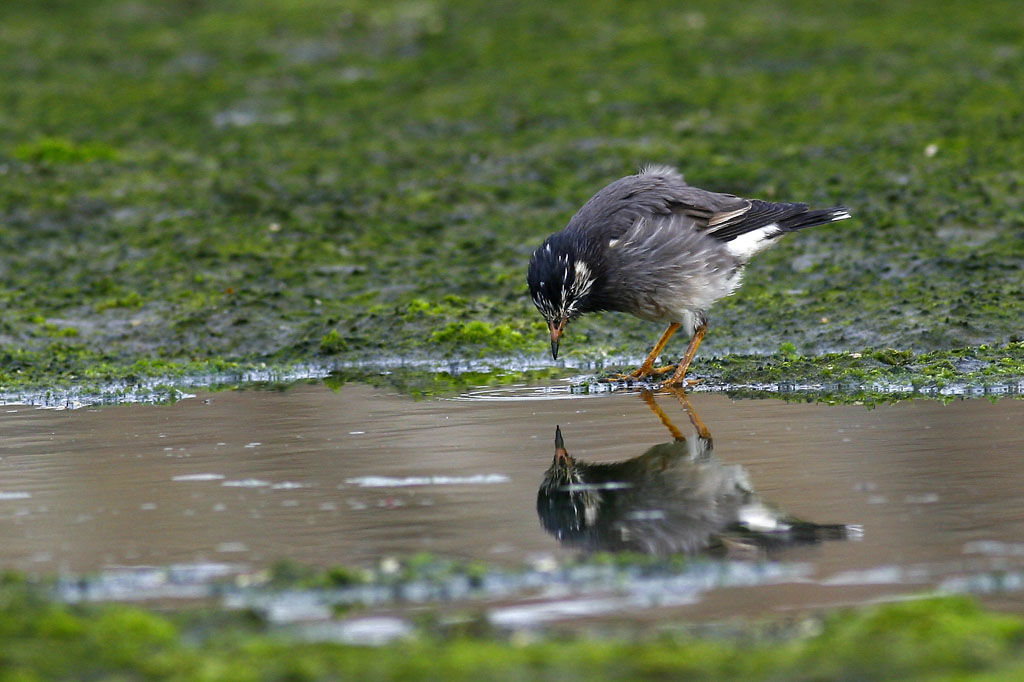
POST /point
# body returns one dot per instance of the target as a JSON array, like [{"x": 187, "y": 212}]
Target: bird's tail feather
[{"x": 812, "y": 218}]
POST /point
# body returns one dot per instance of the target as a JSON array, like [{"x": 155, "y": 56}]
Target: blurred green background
[{"x": 243, "y": 180}]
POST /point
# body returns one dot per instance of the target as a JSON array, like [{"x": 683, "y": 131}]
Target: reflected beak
[
  {"x": 560, "y": 453},
  {"x": 556, "y": 334}
]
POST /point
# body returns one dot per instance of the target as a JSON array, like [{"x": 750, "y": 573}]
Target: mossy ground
[
  {"x": 934, "y": 639},
  {"x": 186, "y": 185}
]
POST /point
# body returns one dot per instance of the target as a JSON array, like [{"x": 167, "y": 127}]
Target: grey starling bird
[{"x": 657, "y": 248}]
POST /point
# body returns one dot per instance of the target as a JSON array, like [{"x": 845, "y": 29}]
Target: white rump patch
[{"x": 746, "y": 245}]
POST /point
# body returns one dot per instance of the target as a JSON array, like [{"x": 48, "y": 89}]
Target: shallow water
[{"x": 358, "y": 475}]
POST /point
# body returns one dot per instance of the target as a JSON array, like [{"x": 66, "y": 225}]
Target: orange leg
[
  {"x": 691, "y": 350},
  {"x": 702, "y": 430},
  {"x": 649, "y": 399},
  {"x": 647, "y": 368},
  {"x": 704, "y": 444}
]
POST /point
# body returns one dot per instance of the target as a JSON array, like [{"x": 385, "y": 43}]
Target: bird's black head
[
  {"x": 566, "y": 506},
  {"x": 561, "y": 279}
]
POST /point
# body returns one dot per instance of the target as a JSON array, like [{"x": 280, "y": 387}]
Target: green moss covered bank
[
  {"x": 944, "y": 639},
  {"x": 187, "y": 186}
]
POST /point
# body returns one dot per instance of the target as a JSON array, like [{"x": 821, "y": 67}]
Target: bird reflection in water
[{"x": 674, "y": 498}]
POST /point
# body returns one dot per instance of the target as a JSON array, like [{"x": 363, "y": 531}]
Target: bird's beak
[
  {"x": 561, "y": 455},
  {"x": 556, "y": 334}
]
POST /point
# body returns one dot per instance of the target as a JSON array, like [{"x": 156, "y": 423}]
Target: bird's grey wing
[
  {"x": 726, "y": 216},
  {"x": 655, "y": 192},
  {"x": 757, "y": 214},
  {"x": 682, "y": 270},
  {"x": 722, "y": 216},
  {"x": 661, "y": 191}
]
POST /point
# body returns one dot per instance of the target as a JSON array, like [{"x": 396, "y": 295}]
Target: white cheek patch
[{"x": 581, "y": 285}]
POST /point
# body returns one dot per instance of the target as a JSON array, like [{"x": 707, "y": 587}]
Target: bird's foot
[
  {"x": 642, "y": 373},
  {"x": 681, "y": 383}
]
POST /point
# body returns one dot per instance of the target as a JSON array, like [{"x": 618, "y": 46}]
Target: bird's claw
[
  {"x": 641, "y": 373},
  {"x": 684, "y": 384}
]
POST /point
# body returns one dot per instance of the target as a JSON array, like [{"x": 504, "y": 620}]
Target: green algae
[
  {"x": 950, "y": 638},
  {"x": 287, "y": 574},
  {"x": 246, "y": 183},
  {"x": 54, "y": 150},
  {"x": 978, "y": 366},
  {"x": 71, "y": 372},
  {"x": 476, "y": 333},
  {"x": 332, "y": 343}
]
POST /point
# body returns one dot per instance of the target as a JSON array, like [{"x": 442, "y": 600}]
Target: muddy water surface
[{"x": 357, "y": 475}]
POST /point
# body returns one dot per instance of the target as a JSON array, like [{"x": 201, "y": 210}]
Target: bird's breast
[{"x": 674, "y": 294}]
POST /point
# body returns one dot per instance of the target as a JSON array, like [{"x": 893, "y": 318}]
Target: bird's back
[{"x": 654, "y": 192}]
